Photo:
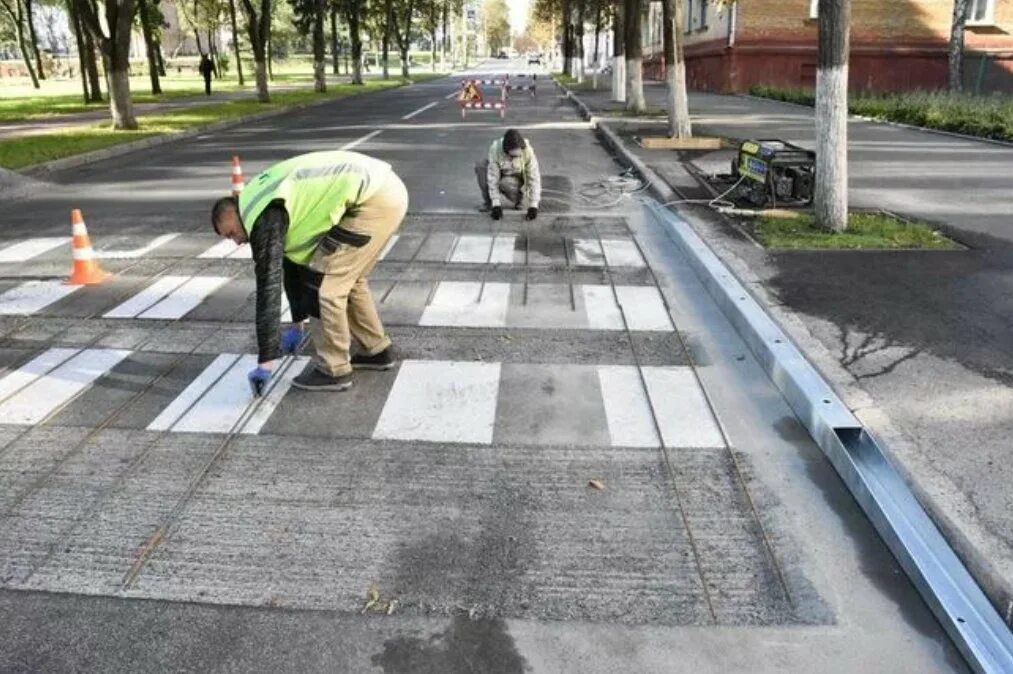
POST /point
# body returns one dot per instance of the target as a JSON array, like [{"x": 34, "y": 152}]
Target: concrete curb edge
[{"x": 951, "y": 512}]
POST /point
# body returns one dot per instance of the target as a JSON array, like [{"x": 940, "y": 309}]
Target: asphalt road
[{"x": 151, "y": 519}]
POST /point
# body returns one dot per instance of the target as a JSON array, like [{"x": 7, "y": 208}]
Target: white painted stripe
[
  {"x": 31, "y": 296},
  {"x": 32, "y": 370},
  {"x": 622, "y": 253},
  {"x": 185, "y": 299},
  {"x": 147, "y": 297},
  {"x": 192, "y": 393},
  {"x": 602, "y": 311},
  {"x": 245, "y": 251},
  {"x": 683, "y": 415},
  {"x": 137, "y": 252},
  {"x": 420, "y": 110},
  {"x": 588, "y": 252},
  {"x": 26, "y": 250},
  {"x": 472, "y": 249},
  {"x": 503, "y": 249},
  {"x": 360, "y": 141},
  {"x": 644, "y": 308},
  {"x": 279, "y": 387},
  {"x": 452, "y": 94},
  {"x": 389, "y": 246},
  {"x": 456, "y": 303},
  {"x": 222, "y": 405},
  {"x": 441, "y": 401},
  {"x": 59, "y": 386},
  {"x": 223, "y": 248},
  {"x": 627, "y": 409}
]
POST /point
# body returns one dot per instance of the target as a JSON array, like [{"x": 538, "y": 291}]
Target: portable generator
[{"x": 774, "y": 172}]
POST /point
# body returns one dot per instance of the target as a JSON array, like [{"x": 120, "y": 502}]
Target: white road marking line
[
  {"x": 226, "y": 248},
  {"x": 223, "y": 404},
  {"x": 147, "y": 297},
  {"x": 273, "y": 397},
  {"x": 682, "y": 411},
  {"x": 456, "y": 304},
  {"x": 389, "y": 246},
  {"x": 31, "y": 296},
  {"x": 186, "y": 298},
  {"x": 26, "y": 250},
  {"x": 14, "y": 381},
  {"x": 622, "y": 253},
  {"x": 137, "y": 252},
  {"x": 627, "y": 409},
  {"x": 503, "y": 248},
  {"x": 58, "y": 386},
  {"x": 602, "y": 311},
  {"x": 192, "y": 393},
  {"x": 472, "y": 249},
  {"x": 242, "y": 252},
  {"x": 355, "y": 143},
  {"x": 441, "y": 401},
  {"x": 420, "y": 110},
  {"x": 644, "y": 308},
  {"x": 452, "y": 94},
  {"x": 587, "y": 252}
]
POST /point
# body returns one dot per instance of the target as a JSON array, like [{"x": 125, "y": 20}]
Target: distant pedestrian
[
  {"x": 206, "y": 68},
  {"x": 511, "y": 170}
]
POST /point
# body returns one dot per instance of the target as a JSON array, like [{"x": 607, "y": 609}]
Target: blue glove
[
  {"x": 258, "y": 378},
  {"x": 290, "y": 339}
]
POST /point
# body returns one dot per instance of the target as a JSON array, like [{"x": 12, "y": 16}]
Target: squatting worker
[
  {"x": 510, "y": 170},
  {"x": 317, "y": 223}
]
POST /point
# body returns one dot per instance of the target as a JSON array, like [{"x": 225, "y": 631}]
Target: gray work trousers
[{"x": 511, "y": 187}]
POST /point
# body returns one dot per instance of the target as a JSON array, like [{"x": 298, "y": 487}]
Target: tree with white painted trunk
[
  {"x": 831, "y": 195},
  {"x": 309, "y": 16},
  {"x": 403, "y": 14},
  {"x": 618, "y": 53},
  {"x": 673, "y": 15},
  {"x": 955, "y": 75},
  {"x": 258, "y": 28},
  {"x": 635, "y": 101},
  {"x": 353, "y": 11},
  {"x": 115, "y": 46}
]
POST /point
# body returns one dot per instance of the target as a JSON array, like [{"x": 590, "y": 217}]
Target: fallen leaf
[
  {"x": 391, "y": 606},
  {"x": 597, "y": 484}
]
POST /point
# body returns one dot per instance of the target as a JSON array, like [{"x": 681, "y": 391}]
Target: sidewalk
[{"x": 926, "y": 334}]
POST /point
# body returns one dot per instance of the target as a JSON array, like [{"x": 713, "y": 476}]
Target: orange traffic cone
[
  {"x": 237, "y": 177},
  {"x": 86, "y": 270}
]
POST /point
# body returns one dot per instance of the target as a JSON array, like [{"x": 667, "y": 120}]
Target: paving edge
[
  {"x": 945, "y": 503},
  {"x": 85, "y": 158}
]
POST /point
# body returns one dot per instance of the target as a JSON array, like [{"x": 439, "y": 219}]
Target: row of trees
[{"x": 103, "y": 29}]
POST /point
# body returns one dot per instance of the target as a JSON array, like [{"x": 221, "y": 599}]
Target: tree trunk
[
  {"x": 270, "y": 57},
  {"x": 334, "y": 40},
  {"x": 675, "y": 70},
  {"x": 578, "y": 36},
  {"x": 17, "y": 18},
  {"x": 149, "y": 45},
  {"x": 619, "y": 54},
  {"x": 235, "y": 40},
  {"x": 446, "y": 17},
  {"x": 161, "y": 59},
  {"x": 120, "y": 103},
  {"x": 319, "y": 47},
  {"x": 597, "y": 34},
  {"x": 435, "y": 47},
  {"x": 387, "y": 25},
  {"x": 261, "y": 75},
  {"x": 75, "y": 25},
  {"x": 831, "y": 197},
  {"x": 34, "y": 39},
  {"x": 567, "y": 41},
  {"x": 955, "y": 75},
  {"x": 634, "y": 59},
  {"x": 92, "y": 65},
  {"x": 356, "y": 39}
]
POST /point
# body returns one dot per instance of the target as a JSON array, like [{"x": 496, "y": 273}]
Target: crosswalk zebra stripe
[
  {"x": 55, "y": 388},
  {"x": 29, "y": 248},
  {"x": 627, "y": 409},
  {"x": 226, "y": 248},
  {"x": 468, "y": 304},
  {"x": 31, "y": 296},
  {"x": 681, "y": 408},
  {"x": 186, "y": 298},
  {"x": 279, "y": 387},
  {"x": 23, "y": 376},
  {"x": 147, "y": 298}
]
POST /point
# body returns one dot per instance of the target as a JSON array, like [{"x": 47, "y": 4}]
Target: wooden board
[{"x": 666, "y": 143}]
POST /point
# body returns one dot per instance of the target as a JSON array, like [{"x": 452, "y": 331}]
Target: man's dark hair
[
  {"x": 512, "y": 140},
  {"x": 221, "y": 207}
]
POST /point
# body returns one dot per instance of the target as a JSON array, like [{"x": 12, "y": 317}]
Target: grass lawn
[
  {"x": 865, "y": 231},
  {"x": 18, "y": 153}
]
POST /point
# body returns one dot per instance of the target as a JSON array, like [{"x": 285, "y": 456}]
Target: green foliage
[
  {"x": 984, "y": 116},
  {"x": 865, "y": 230},
  {"x": 496, "y": 18}
]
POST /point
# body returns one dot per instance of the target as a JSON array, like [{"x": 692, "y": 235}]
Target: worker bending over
[
  {"x": 317, "y": 223},
  {"x": 510, "y": 170}
]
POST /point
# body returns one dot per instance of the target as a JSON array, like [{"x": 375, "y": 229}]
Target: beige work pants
[{"x": 346, "y": 305}]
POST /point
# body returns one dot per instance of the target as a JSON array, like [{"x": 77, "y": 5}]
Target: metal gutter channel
[{"x": 942, "y": 580}]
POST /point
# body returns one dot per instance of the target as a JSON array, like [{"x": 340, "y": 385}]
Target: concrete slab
[{"x": 468, "y": 304}]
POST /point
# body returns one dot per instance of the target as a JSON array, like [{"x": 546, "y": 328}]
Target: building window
[
  {"x": 703, "y": 14},
  {"x": 814, "y": 9},
  {"x": 981, "y": 12},
  {"x": 688, "y": 18}
]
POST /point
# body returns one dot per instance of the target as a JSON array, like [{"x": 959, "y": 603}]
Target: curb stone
[{"x": 947, "y": 506}]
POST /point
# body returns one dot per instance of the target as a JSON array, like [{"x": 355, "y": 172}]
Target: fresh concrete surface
[{"x": 254, "y": 553}]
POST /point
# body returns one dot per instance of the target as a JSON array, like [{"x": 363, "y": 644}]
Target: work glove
[
  {"x": 258, "y": 378},
  {"x": 291, "y": 337},
  {"x": 497, "y": 212},
  {"x": 532, "y": 213}
]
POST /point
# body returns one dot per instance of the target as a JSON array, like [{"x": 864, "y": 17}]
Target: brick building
[{"x": 896, "y": 45}]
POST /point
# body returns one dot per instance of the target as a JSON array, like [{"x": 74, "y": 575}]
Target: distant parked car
[
  {"x": 534, "y": 59},
  {"x": 502, "y": 55}
]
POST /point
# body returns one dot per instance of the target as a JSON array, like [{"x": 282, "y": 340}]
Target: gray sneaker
[{"x": 315, "y": 380}]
